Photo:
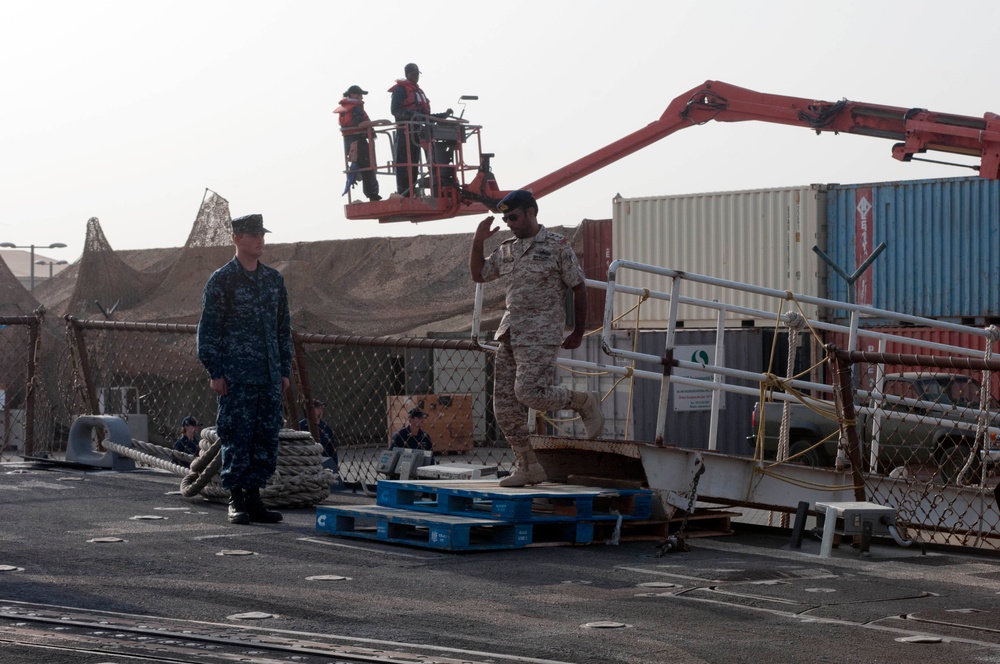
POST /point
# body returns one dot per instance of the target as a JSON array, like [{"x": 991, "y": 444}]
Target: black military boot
[
  {"x": 237, "y": 507},
  {"x": 256, "y": 509}
]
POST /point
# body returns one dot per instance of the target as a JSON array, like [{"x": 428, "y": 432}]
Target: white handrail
[{"x": 718, "y": 372}]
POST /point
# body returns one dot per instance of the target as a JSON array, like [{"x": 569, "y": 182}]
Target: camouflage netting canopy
[
  {"x": 15, "y": 298},
  {"x": 103, "y": 277},
  {"x": 177, "y": 297},
  {"x": 378, "y": 286},
  {"x": 211, "y": 226},
  {"x": 367, "y": 286}
]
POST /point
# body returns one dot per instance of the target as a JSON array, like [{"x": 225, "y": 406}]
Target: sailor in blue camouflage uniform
[
  {"x": 536, "y": 267},
  {"x": 245, "y": 343}
]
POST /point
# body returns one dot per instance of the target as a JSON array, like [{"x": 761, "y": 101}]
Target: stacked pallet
[{"x": 475, "y": 515}]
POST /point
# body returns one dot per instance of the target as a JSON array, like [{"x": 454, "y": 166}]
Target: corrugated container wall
[
  {"x": 596, "y": 259},
  {"x": 942, "y": 256},
  {"x": 763, "y": 237},
  {"x": 865, "y": 372},
  {"x": 745, "y": 349}
]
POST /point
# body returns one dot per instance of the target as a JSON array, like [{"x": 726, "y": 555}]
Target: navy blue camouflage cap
[
  {"x": 249, "y": 223},
  {"x": 190, "y": 421},
  {"x": 519, "y": 198},
  {"x": 416, "y": 412}
]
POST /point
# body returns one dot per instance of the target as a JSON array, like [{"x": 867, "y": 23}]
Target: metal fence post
[
  {"x": 77, "y": 341},
  {"x": 845, "y": 391},
  {"x": 301, "y": 370},
  {"x": 34, "y": 341}
]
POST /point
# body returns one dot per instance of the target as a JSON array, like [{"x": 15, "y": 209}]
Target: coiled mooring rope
[{"x": 300, "y": 479}]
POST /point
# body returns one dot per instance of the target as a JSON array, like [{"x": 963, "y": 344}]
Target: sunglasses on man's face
[{"x": 513, "y": 216}]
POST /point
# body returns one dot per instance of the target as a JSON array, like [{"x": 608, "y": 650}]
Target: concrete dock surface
[{"x": 105, "y": 567}]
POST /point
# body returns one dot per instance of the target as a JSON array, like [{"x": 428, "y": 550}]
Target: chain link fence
[
  {"x": 370, "y": 383},
  {"x": 149, "y": 374},
  {"x": 22, "y": 402},
  {"x": 926, "y": 429},
  {"x": 926, "y": 433}
]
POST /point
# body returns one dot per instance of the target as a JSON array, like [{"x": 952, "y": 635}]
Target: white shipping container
[{"x": 763, "y": 237}]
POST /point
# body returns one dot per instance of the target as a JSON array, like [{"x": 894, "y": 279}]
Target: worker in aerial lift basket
[
  {"x": 410, "y": 106},
  {"x": 354, "y": 125},
  {"x": 537, "y": 266},
  {"x": 245, "y": 343}
]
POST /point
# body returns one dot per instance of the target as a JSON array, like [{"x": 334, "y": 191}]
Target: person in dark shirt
[
  {"x": 412, "y": 436},
  {"x": 411, "y": 108},
  {"x": 327, "y": 438},
  {"x": 188, "y": 442}
]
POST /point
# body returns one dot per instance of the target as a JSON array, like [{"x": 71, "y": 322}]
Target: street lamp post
[
  {"x": 50, "y": 264},
  {"x": 11, "y": 245}
]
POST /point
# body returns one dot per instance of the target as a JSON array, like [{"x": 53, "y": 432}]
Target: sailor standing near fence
[{"x": 245, "y": 343}]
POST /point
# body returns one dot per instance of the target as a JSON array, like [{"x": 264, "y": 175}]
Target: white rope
[
  {"x": 783, "y": 435},
  {"x": 795, "y": 321},
  {"x": 300, "y": 479}
]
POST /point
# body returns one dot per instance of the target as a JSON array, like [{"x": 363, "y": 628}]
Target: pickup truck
[{"x": 927, "y": 421}]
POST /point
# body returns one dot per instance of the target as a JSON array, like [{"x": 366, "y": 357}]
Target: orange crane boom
[{"x": 916, "y": 131}]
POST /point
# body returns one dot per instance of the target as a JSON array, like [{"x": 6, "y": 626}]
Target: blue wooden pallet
[
  {"x": 478, "y": 497},
  {"x": 446, "y": 531}
]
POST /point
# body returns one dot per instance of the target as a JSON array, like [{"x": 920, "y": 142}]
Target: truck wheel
[
  {"x": 952, "y": 459},
  {"x": 811, "y": 458}
]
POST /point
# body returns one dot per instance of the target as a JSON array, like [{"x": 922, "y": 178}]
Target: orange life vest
[
  {"x": 416, "y": 100},
  {"x": 346, "y": 112}
]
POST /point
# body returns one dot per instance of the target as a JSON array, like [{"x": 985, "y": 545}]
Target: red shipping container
[
  {"x": 595, "y": 261},
  {"x": 866, "y": 376}
]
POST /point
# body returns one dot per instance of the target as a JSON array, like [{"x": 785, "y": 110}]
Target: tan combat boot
[
  {"x": 533, "y": 474},
  {"x": 588, "y": 405},
  {"x": 527, "y": 471}
]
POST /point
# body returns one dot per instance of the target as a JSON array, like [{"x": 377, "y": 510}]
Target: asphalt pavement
[{"x": 106, "y": 567}]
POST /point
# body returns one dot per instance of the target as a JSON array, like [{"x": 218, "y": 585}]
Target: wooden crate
[{"x": 449, "y": 418}]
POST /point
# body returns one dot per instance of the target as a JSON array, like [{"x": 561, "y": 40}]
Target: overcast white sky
[{"x": 128, "y": 110}]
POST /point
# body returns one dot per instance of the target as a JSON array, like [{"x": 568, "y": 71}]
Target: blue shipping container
[{"x": 942, "y": 256}]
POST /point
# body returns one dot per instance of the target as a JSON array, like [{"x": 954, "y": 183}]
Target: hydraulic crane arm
[{"x": 918, "y": 130}]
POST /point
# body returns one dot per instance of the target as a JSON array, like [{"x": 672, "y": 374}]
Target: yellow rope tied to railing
[
  {"x": 771, "y": 382},
  {"x": 629, "y": 370}
]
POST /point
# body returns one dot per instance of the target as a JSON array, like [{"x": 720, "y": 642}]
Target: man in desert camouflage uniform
[
  {"x": 245, "y": 343},
  {"x": 536, "y": 266}
]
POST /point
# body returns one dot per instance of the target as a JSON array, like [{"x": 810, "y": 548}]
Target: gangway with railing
[{"x": 778, "y": 485}]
